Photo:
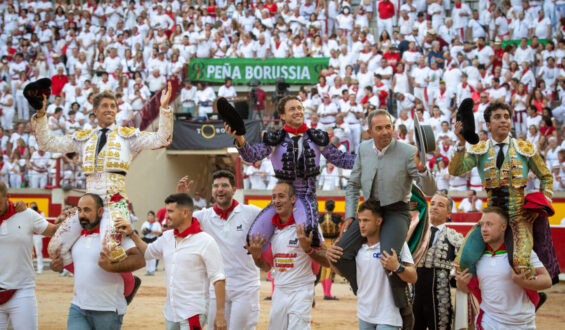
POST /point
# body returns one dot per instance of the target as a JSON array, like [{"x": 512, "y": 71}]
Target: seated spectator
[{"x": 471, "y": 203}]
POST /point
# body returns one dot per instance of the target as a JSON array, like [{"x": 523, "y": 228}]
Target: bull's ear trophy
[
  {"x": 465, "y": 116},
  {"x": 230, "y": 116}
]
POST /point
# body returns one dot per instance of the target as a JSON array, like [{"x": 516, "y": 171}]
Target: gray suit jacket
[{"x": 395, "y": 170}]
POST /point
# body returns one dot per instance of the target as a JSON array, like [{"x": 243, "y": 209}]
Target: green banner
[{"x": 242, "y": 70}]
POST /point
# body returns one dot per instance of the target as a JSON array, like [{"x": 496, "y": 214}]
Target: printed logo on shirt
[
  {"x": 239, "y": 228},
  {"x": 377, "y": 255},
  {"x": 284, "y": 261},
  {"x": 293, "y": 242}
]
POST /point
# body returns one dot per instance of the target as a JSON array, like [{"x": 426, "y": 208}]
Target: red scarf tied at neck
[
  {"x": 193, "y": 229},
  {"x": 277, "y": 221},
  {"x": 296, "y": 131},
  {"x": 9, "y": 212},
  {"x": 224, "y": 214},
  {"x": 85, "y": 232}
]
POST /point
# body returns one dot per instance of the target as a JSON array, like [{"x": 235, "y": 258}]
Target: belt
[{"x": 119, "y": 173}]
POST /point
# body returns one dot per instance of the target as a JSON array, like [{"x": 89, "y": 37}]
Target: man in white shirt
[
  {"x": 151, "y": 230},
  {"x": 293, "y": 257},
  {"x": 192, "y": 260},
  {"x": 227, "y": 91},
  {"x": 38, "y": 169},
  {"x": 375, "y": 303},
  {"x": 471, "y": 204},
  {"x": 205, "y": 96},
  {"x": 505, "y": 303},
  {"x": 228, "y": 222},
  {"x": 98, "y": 301},
  {"x": 188, "y": 97},
  {"x": 17, "y": 278}
]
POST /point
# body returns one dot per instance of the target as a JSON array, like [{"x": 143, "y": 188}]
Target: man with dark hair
[
  {"x": 228, "y": 222},
  {"x": 17, "y": 278},
  {"x": 376, "y": 307},
  {"x": 384, "y": 170},
  {"x": 98, "y": 301},
  {"x": 296, "y": 151},
  {"x": 192, "y": 259},
  {"x": 505, "y": 300},
  {"x": 432, "y": 296},
  {"x": 503, "y": 163},
  {"x": 330, "y": 223},
  {"x": 293, "y": 255}
]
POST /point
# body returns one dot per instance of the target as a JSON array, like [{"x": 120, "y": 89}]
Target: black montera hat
[
  {"x": 230, "y": 116},
  {"x": 465, "y": 116},
  {"x": 34, "y": 92}
]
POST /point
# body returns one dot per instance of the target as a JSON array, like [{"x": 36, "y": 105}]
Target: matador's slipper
[
  {"x": 34, "y": 92},
  {"x": 465, "y": 116},
  {"x": 230, "y": 116}
]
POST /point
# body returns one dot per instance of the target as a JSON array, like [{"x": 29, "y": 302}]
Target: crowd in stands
[{"x": 409, "y": 56}]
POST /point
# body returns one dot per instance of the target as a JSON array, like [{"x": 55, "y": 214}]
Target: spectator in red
[
  {"x": 211, "y": 8},
  {"x": 58, "y": 81},
  {"x": 393, "y": 56},
  {"x": 161, "y": 216},
  {"x": 436, "y": 158},
  {"x": 386, "y": 16},
  {"x": 259, "y": 105},
  {"x": 272, "y": 7},
  {"x": 546, "y": 127}
]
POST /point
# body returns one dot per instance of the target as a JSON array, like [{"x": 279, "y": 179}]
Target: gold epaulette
[
  {"x": 479, "y": 148},
  {"x": 83, "y": 135},
  {"x": 127, "y": 132},
  {"x": 524, "y": 148}
]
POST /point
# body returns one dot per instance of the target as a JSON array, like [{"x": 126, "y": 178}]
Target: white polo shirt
[
  {"x": 16, "y": 245},
  {"x": 375, "y": 303},
  {"x": 190, "y": 267},
  {"x": 96, "y": 289},
  {"x": 231, "y": 235},
  {"x": 293, "y": 267},
  {"x": 502, "y": 299}
]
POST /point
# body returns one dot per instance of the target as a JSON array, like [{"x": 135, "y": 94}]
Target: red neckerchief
[
  {"x": 445, "y": 147},
  {"x": 525, "y": 71},
  {"x": 330, "y": 170},
  {"x": 481, "y": 48},
  {"x": 193, "y": 229},
  {"x": 85, "y": 232},
  {"x": 9, "y": 212},
  {"x": 224, "y": 214},
  {"x": 295, "y": 131},
  {"x": 458, "y": 6},
  {"x": 256, "y": 166},
  {"x": 277, "y": 221},
  {"x": 540, "y": 19},
  {"x": 493, "y": 252}
]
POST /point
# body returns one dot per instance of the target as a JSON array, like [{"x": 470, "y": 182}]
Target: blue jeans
[
  {"x": 80, "y": 319},
  {"x": 370, "y": 326}
]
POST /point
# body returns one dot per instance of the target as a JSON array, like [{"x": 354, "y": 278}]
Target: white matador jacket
[{"x": 105, "y": 173}]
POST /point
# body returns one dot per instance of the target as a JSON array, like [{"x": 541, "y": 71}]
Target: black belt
[{"x": 119, "y": 173}]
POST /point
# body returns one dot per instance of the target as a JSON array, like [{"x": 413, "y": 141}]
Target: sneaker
[
  {"x": 135, "y": 288},
  {"x": 331, "y": 298},
  {"x": 150, "y": 274}
]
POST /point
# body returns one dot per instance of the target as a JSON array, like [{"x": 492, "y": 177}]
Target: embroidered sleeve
[
  {"x": 455, "y": 238},
  {"x": 338, "y": 158},
  {"x": 461, "y": 163},
  {"x": 537, "y": 166},
  {"x": 254, "y": 153},
  {"x": 151, "y": 140},
  {"x": 49, "y": 142}
]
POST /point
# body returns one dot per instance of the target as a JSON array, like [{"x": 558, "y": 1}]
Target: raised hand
[
  {"x": 255, "y": 245},
  {"x": 184, "y": 186},
  {"x": 166, "y": 95},
  {"x": 240, "y": 139},
  {"x": 41, "y": 112},
  {"x": 305, "y": 241}
]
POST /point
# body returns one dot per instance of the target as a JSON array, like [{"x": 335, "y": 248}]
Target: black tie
[
  {"x": 432, "y": 236},
  {"x": 500, "y": 156},
  {"x": 102, "y": 141},
  {"x": 296, "y": 139}
]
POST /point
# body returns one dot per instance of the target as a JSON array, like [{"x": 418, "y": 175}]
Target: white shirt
[
  {"x": 16, "y": 245},
  {"x": 190, "y": 266},
  {"x": 155, "y": 226},
  {"x": 293, "y": 267},
  {"x": 96, "y": 289},
  {"x": 502, "y": 299},
  {"x": 466, "y": 205},
  {"x": 231, "y": 235},
  {"x": 228, "y": 92},
  {"x": 375, "y": 303}
]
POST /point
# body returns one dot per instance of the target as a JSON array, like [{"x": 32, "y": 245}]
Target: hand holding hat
[
  {"x": 467, "y": 119},
  {"x": 35, "y": 91},
  {"x": 232, "y": 121}
]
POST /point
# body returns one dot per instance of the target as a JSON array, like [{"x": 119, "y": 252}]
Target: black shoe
[
  {"x": 268, "y": 298},
  {"x": 331, "y": 298},
  {"x": 135, "y": 288},
  {"x": 542, "y": 299}
]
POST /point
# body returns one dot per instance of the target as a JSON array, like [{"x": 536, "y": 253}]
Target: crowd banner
[
  {"x": 242, "y": 70},
  {"x": 207, "y": 135}
]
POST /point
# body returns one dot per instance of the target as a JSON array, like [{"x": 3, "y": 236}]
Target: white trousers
[
  {"x": 241, "y": 310},
  {"x": 38, "y": 246},
  {"x": 150, "y": 265},
  {"x": 491, "y": 324},
  {"x": 37, "y": 180},
  {"x": 7, "y": 118},
  {"x": 291, "y": 308},
  {"x": 355, "y": 137},
  {"x": 15, "y": 180},
  {"x": 21, "y": 310},
  {"x": 385, "y": 24},
  {"x": 23, "y": 107}
]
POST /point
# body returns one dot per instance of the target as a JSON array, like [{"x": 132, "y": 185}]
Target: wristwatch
[{"x": 400, "y": 269}]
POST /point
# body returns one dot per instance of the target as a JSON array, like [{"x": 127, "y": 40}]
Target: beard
[{"x": 87, "y": 225}]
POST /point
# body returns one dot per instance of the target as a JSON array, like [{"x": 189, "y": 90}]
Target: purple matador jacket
[{"x": 298, "y": 163}]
